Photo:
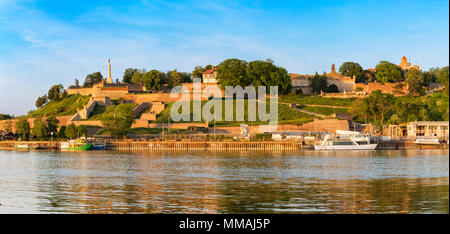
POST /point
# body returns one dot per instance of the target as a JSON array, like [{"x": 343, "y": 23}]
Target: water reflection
[{"x": 218, "y": 182}]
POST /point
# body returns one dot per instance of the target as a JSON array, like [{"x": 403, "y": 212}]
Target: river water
[{"x": 225, "y": 182}]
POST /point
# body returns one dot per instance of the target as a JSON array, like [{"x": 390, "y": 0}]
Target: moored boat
[
  {"x": 78, "y": 144},
  {"x": 22, "y": 146},
  {"x": 345, "y": 140},
  {"x": 29, "y": 146},
  {"x": 97, "y": 144},
  {"x": 427, "y": 141}
]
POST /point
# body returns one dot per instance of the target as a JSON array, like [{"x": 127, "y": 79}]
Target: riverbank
[{"x": 217, "y": 145}]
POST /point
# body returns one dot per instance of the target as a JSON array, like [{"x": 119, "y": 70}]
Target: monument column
[{"x": 109, "y": 80}]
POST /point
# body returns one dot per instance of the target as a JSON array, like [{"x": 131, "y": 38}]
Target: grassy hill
[
  {"x": 286, "y": 115},
  {"x": 316, "y": 100},
  {"x": 326, "y": 110},
  {"x": 100, "y": 112},
  {"x": 66, "y": 106}
]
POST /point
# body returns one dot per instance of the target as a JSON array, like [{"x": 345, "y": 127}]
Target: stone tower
[{"x": 109, "y": 80}]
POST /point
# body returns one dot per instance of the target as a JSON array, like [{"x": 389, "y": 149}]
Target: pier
[
  {"x": 207, "y": 145},
  {"x": 216, "y": 145}
]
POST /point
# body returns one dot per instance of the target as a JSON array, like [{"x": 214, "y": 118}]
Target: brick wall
[
  {"x": 81, "y": 91},
  {"x": 385, "y": 88},
  {"x": 97, "y": 123},
  {"x": 343, "y": 85},
  {"x": 157, "y": 107},
  {"x": 63, "y": 120}
]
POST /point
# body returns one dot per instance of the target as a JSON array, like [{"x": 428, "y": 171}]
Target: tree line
[
  {"x": 48, "y": 129},
  {"x": 382, "y": 108},
  {"x": 55, "y": 93},
  {"x": 230, "y": 72},
  {"x": 387, "y": 72}
]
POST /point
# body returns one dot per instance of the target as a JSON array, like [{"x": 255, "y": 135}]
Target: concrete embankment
[
  {"x": 207, "y": 145},
  {"x": 215, "y": 145}
]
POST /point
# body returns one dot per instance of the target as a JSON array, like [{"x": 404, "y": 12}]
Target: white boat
[
  {"x": 22, "y": 146},
  {"x": 65, "y": 145},
  {"x": 345, "y": 142},
  {"x": 427, "y": 141},
  {"x": 77, "y": 144}
]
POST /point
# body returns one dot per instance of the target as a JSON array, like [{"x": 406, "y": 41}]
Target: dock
[
  {"x": 208, "y": 145},
  {"x": 216, "y": 145}
]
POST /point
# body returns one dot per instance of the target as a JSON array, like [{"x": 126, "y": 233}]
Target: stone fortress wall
[{"x": 385, "y": 88}]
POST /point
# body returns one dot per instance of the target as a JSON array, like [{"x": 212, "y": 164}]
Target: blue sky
[{"x": 48, "y": 42}]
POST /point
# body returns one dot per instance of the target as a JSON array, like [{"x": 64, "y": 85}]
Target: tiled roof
[
  {"x": 336, "y": 75},
  {"x": 210, "y": 71}
]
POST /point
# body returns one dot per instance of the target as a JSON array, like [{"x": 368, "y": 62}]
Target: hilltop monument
[
  {"x": 109, "y": 79},
  {"x": 405, "y": 65}
]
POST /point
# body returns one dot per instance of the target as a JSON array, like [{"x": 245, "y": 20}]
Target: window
[{"x": 420, "y": 131}]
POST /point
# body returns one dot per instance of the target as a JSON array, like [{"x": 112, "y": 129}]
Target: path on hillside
[
  {"x": 304, "y": 111},
  {"x": 310, "y": 112},
  {"x": 314, "y": 105}
]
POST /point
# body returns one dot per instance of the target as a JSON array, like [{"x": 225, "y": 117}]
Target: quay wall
[{"x": 219, "y": 145}]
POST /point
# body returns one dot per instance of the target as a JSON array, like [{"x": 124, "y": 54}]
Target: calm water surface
[{"x": 224, "y": 182}]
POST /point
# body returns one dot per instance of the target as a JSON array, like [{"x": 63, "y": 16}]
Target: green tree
[
  {"x": 3, "y": 117},
  {"x": 414, "y": 80},
  {"x": 318, "y": 84},
  {"x": 64, "y": 94},
  {"x": 82, "y": 130},
  {"x": 71, "y": 131},
  {"x": 443, "y": 78},
  {"x": 282, "y": 80},
  {"x": 259, "y": 73},
  {"x": 62, "y": 132},
  {"x": 41, "y": 101},
  {"x": 353, "y": 69},
  {"x": 152, "y": 80},
  {"x": 398, "y": 89},
  {"x": 39, "y": 129},
  {"x": 394, "y": 119},
  {"x": 387, "y": 72},
  {"x": 263, "y": 73},
  {"x": 23, "y": 128},
  {"x": 174, "y": 78},
  {"x": 428, "y": 78},
  {"x": 54, "y": 93},
  {"x": 128, "y": 74},
  {"x": 118, "y": 122},
  {"x": 93, "y": 78},
  {"x": 52, "y": 124},
  {"x": 7, "y": 126},
  {"x": 369, "y": 76},
  {"x": 138, "y": 77},
  {"x": 197, "y": 72},
  {"x": 375, "y": 108},
  {"x": 232, "y": 72},
  {"x": 185, "y": 77}
]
